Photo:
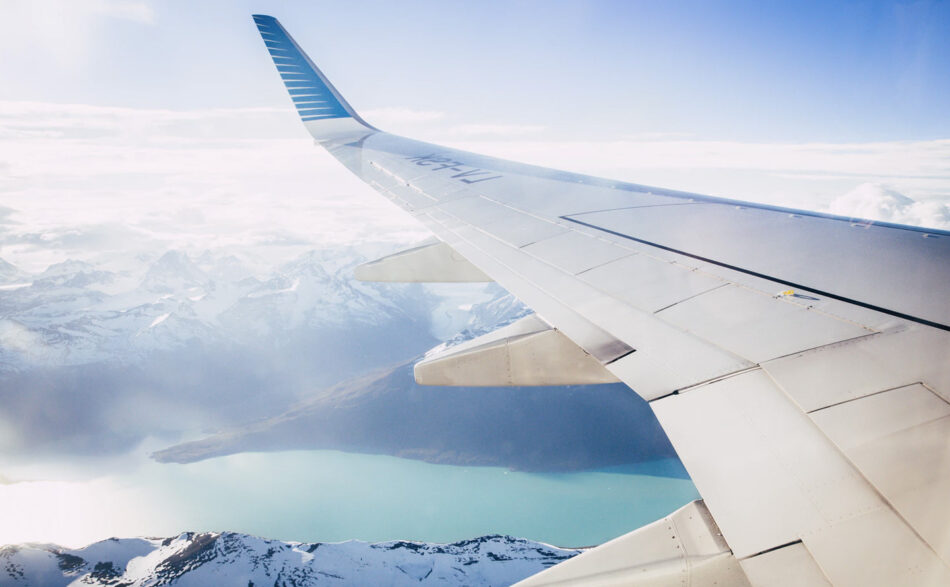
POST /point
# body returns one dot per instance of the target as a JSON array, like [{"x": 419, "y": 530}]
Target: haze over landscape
[{"x": 177, "y": 308}]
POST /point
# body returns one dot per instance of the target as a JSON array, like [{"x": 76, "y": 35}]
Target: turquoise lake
[
  {"x": 329, "y": 496},
  {"x": 333, "y": 496}
]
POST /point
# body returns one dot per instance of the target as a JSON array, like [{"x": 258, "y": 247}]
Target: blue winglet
[{"x": 312, "y": 93}]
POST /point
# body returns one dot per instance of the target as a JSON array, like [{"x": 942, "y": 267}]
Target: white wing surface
[{"x": 799, "y": 362}]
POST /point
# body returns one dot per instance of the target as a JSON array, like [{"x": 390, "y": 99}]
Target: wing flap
[
  {"x": 875, "y": 548},
  {"x": 685, "y": 548},
  {"x": 789, "y": 566},
  {"x": 873, "y": 513},
  {"x": 529, "y": 352},
  {"x": 900, "y": 441},
  {"x": 769, "y": 463}
]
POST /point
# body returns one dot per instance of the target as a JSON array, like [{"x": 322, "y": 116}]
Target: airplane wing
[{"x": 799, "y": 362}]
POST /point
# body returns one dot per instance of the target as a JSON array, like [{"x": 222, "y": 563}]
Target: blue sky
[{"x": 752, "y": 71}]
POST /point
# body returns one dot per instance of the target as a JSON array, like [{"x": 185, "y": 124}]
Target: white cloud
[
  {"x": 80, "y": 181},
  {"x": 495, "y": 129},
  {"x": 874, "y": 201},
  {"x": 87, "y": 181},
  {"x": 657, "y": 136}
]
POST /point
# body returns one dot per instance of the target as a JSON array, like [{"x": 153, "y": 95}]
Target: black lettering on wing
[
  {"x": 480, "y": 179},
  {"x": 453, "y": 165},
  {"x": 466, "y": 176}
]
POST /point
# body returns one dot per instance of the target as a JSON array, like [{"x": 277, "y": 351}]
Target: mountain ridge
[{"x": 229, "y": 558}]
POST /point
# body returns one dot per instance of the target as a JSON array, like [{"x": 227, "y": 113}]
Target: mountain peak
[
  {"x": 67, "y": 267},
  {"x": 72, "y": 273},
  {"x": 10, "y": 273},
  {"x": 174, "y": 271}
]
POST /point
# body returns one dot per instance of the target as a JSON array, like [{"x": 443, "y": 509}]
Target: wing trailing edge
[
  {"x": 529, "y": 352},
  {"x": 684, "y": 548}
]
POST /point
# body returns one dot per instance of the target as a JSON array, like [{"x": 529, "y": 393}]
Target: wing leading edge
[{"x": 799, "y": 362}]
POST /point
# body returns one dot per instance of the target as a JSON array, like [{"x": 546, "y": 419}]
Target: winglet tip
[
  {"x": 264, "y": 19},
  {"x": 314, "y": 97}
]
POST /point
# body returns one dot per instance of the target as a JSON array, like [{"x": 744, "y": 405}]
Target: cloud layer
[
  {"x": 80, "y": 180},
  {"x": 875, "y": 201}
]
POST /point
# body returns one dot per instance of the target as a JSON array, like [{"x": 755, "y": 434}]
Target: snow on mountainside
[
  {"x": 500, "y": 310},
  {"x": 76, "y": 313},
  {"x": 11, "y": 275},
  {"x": 179, "y": 342},
  {"x": 224, "y": 559}
]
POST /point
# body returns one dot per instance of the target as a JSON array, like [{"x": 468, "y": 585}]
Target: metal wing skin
[{"x": 799, "y": 362}]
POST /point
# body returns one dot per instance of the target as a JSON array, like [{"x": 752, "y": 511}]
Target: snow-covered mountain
[
  {"x": 225, "y": 559},
  {"x": 9, "y": 274},
  {"x": 499, "y": 310},
  {"x": 77, "y": 313},
  {"x": 179, "y": 342}
]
